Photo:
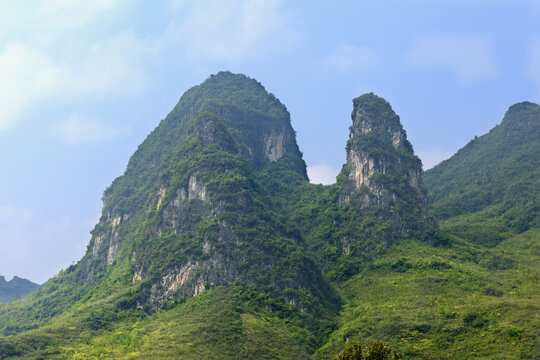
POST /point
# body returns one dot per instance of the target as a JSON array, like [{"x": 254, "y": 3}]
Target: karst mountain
[{"x": 213, "y": 243}]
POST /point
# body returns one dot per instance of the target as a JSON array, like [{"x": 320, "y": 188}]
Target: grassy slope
[
  {"x": 464, "y": 301},
  {"x": 219, "y": 324}
]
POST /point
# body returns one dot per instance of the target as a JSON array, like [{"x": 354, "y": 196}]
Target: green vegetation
[
  {"x": 446, "y": 302},
  {"x": 214, "y": 245},
  {"x": 496, "y": 173},
  {"x": 224, "y": 322},
  {"x": 374, "y": 351}
]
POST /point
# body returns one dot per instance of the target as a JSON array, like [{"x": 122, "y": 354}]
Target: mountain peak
[
  {"x": 378, "y": 143},
  {"x": 524, "y": 105},
  {"x": 194, "y": 190},
  {"x": 258, "y": 122},
  {"x": 495, "y": 169},
  {"x": 373, "y": 113},
  {"x": 381, "y": 166},
  {"x": 522, "y": 116}
]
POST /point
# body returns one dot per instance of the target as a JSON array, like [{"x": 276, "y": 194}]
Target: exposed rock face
[
  {"x": 274, "y": 147},
  {"x": 196, "y": 189},
  {"x": 378, "y": 145},
  {"x": 381, "y": 166},
  {"x": 182, "y": 214}
]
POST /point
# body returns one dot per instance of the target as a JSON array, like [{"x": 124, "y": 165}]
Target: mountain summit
[
  {"x": 382, "y": 173},
  {"x": 191, "y": 213}
]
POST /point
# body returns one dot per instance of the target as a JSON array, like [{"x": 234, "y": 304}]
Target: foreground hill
[
  {"x": 15, "y": 288},
  {"x": 213, "y": 244}
]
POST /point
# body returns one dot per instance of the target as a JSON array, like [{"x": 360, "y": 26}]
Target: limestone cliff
[
  {"x": 381, "y": 168},
  {"x": 191, "y": 211}
]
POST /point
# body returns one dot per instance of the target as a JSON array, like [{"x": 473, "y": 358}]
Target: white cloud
[
  {"x": 52, "y": 50},
  {"x": 52, "y": 15},
  {"x": 109, "y": 68},
  {"x": 79, "y": 129},
  {"x": 105, "y": 69},
  {"x": 230, "y": 30},
  {"x": 322, "y": 174},
  {"x": 348, "y": 57},
  {"x": 25, "y": 75},
  {"x": 469, "y": 57},
  {"x": 432, "y": 157}
]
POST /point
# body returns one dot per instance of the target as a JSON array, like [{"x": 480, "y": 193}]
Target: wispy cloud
[
  {"x": 53, "y": 15},
  {"x": 229, "y": 30},
  {"x": 469, "y": 57},
  {"x": 49, "y": 52},
  {"x": 25, "y": 75},
  {"x": 104, "y": 70},
  {"x": 79, "y": 129},
  {"x": 322, "y": 174},
  {"x": 349, "y": 57}
]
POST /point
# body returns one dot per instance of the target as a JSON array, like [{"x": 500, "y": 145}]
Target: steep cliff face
[
  {"x": 381, "y": 169},
  {"x": 191, "y": 213}
]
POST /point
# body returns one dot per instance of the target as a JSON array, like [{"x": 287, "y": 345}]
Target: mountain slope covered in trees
[
  {"x": 492, "y": 183},
  {"x": 213, "y": 244}
]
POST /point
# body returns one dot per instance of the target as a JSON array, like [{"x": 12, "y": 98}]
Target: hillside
[
  {"x": 193, "y": 212},
  {"x": 213, "y": 244},
  {"x": 495, "y": 176},
  {"x": 15, "y": 288}
]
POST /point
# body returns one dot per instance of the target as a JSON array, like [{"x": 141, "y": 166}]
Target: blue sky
[{"x": 83, "y": 82}]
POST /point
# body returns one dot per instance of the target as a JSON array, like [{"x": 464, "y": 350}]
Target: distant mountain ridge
[{"x": 15, "y": 288}]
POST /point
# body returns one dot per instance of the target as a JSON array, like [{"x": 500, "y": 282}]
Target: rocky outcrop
[
  {"x": 274, "y": 145},
  {"x": 378, "y": 145},
  {"x": 105, "y": 244},
  {"x": 382, "y": 171},
  {"x": 196, "y": 189}
]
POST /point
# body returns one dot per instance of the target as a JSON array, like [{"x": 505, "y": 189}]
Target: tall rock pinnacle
[{"x": 382, "y": 169}]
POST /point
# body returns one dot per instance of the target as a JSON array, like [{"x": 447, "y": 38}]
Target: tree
[{"x": 376, "y": 350}]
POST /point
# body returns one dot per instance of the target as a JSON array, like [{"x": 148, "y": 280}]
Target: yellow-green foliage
[
  {"x": 313, "y": 275},
  {"x": 216, "y": 324},
  {"x": 447, "y": 303}
]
